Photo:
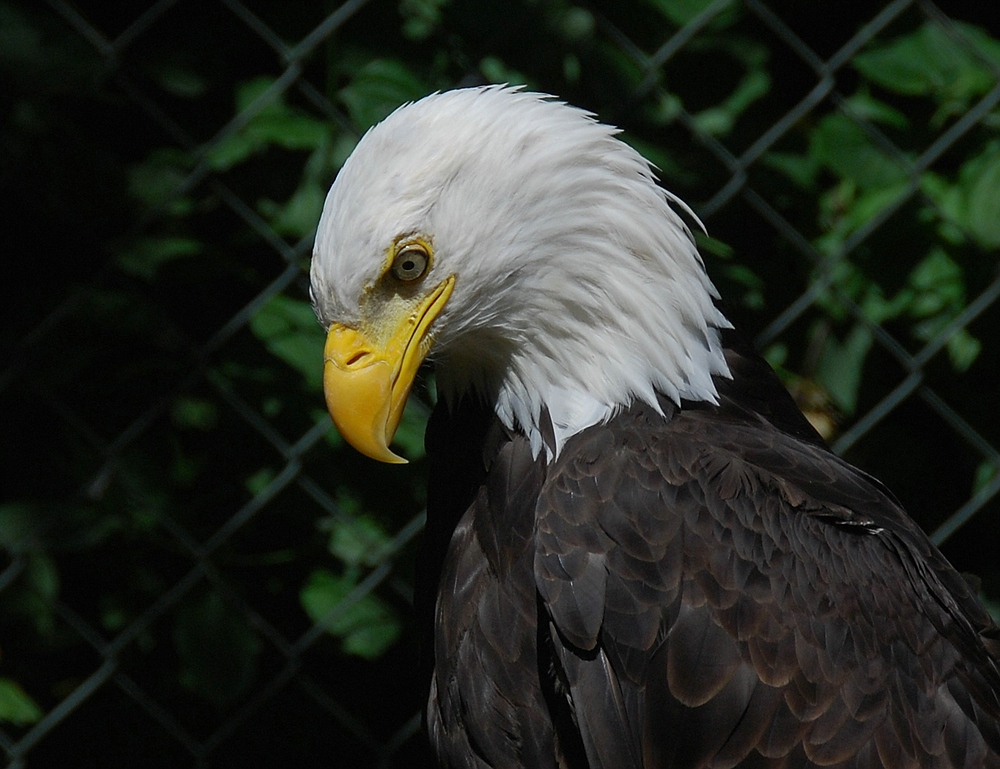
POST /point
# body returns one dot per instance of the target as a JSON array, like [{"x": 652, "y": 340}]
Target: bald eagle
[{"x": 638, "y": 552}]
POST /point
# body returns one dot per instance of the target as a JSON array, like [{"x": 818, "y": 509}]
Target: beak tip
[{"x": 369, "y": 444}]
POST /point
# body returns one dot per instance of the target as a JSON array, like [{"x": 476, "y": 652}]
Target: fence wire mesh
[{"x": 196, "y": 571}]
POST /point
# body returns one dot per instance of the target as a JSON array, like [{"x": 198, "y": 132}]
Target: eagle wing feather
[{"x": 758, "y": 597}]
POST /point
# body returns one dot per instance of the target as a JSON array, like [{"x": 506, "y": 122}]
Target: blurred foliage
[
  {"x": 861, "y": 164},
  {"x": 172, "y": 482}
]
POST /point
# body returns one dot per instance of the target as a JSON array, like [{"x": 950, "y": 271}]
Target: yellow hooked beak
[{"x": 368, "y": 372}]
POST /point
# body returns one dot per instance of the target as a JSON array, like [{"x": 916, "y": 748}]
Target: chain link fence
[{"x": 196, "y": 571}]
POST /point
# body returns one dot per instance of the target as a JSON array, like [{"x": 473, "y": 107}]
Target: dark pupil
[{"x": 409, "y": 265}]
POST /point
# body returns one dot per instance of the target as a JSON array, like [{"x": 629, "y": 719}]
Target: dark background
[{"x": 194, "y": 570}]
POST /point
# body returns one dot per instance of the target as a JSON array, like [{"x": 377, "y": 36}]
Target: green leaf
[
  {"x": 289, "y": 129},
  {"x": 42, "y": 576},
  {"x": 985, "y": 473},
  {"x": 719, "y": 120},
  {"x": 196, "y": 413},
  {"x": 218, "y": 650},
  {"x": 841, "y": 364},
  {"x": 936, "y": 294},
  {"x": 776, "y": 355},
  {"x": 181, "y": 82},
  {"x": 843, "y": 147},
  {"x": 707, "y": 244},
  {"x": 870, "y": 202},
  {"x": 930, "y": 61},
  {"x": 359, "y": 540},
  {"x": 421, "y": 17},
  {"x": 379, "y": 87},
  {"x": 952, "y": 202},
  {"x": 848, "y": 280},
  {"x": 963, "y": 349},
  {"x": 982, "y": 189},
  {"x": 249, "y": 92},
  {"x": 801, "y": 169},
  {"x": 366, "y": 628},
  {"x": 298, "y": 216},
  {"x": 18, "y": 526},
  {"x": 155, "y": 181},
  {"x": 575, "y": 24},
  {"x": 143, "y": 258},
  {"x": 659, "y": 157},
  {"x": 16, "y": 707},
  {"x": 714, "y": 121},
  {"x": 273, "y": 124},
  {"x": 904, "y": 66},
  {"x": 232, "y": 150},
  {"x": 259, "y": 481},
  {"x": 864, "y": 106},
  {"x": 938, "y": 285},
  {"x": 33, "y": 527},
  {"x": 289, "y": 330},
  {"x": 879, "y": 309},
  {"x": 752, "y": 87}
]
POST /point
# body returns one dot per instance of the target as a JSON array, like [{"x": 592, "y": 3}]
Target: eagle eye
[{"x": 410, "y": 263}]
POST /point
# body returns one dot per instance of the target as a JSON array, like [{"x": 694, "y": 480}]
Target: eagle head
[{"x": 527, "y": 251}]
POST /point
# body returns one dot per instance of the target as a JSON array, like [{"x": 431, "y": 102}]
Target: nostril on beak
[{"x": 358, "y": 357}]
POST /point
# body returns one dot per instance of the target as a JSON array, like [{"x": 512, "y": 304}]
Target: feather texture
[{"x": 704, "y": 589}]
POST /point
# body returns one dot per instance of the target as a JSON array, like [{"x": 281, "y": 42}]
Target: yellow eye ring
[{"x": 410, "y": 262}]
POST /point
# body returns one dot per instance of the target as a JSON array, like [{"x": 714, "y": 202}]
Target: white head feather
[{"x": 579, "y": 288}]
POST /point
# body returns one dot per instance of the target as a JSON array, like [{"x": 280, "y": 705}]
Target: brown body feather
[{"x": 709, "y": 588}]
